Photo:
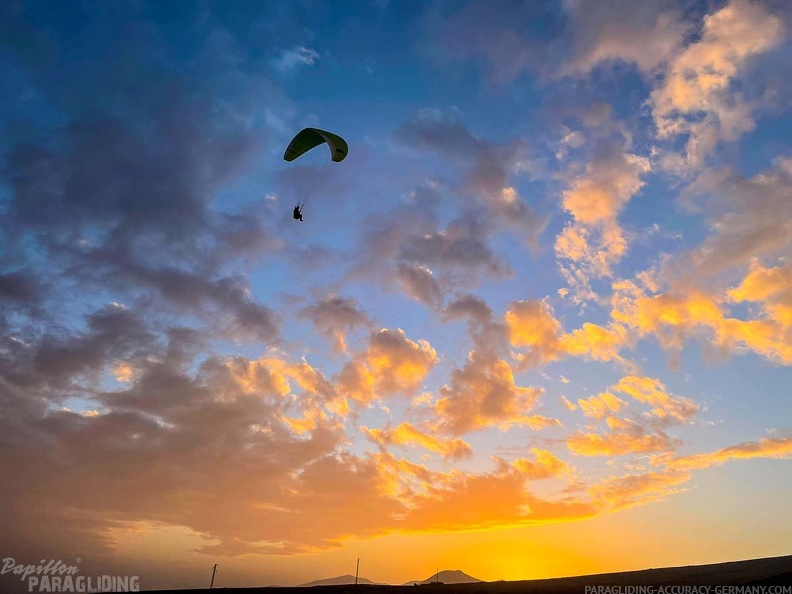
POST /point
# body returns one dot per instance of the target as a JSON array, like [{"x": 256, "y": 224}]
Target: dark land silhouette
[
  {"x": 341, "y": 580},
  {"x": 447, "y": 576},
  {"x": 771, "y": 571}
]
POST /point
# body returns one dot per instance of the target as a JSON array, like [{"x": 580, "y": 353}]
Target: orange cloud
[
  {"x": 264, "y": 376},
  {"x": 768, "y": 447},
  {"x": 573, "y": 243},
  {"x": 610, "y": 181},
  {"x": 392, "y": 363},
  {"x": 673, "y": 318},
  {"x": 401, "y": 478},
  {"x": 407, "y": 434},
  {"x": 123, "y": 371},
  {"x": 765, "y": 284},
  {"x": 596, "y": 342},
  {"x": 771, "y": 288},
  {"x": 310, "y": 380},
  {"x": 595, "y": 251},
  {"x": 313, "y": 418},
  {"x": 483, "y": 394},
  {"x": 621, "y": 492},
  {"x": 594, "y": 243},
  {"x": 625, "y": 437},
  {"x": 570, "y": 405},
  {"x": 653, "y": 392},
  {"x": 455, "y": 500},
  {"x": 532, "y": 324},
  {"x": 601, "y": 405},
  {"x": 544, "y": 465},
  {"x": 490, "y": 500}
]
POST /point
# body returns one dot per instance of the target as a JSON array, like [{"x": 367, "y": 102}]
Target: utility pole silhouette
[
  {"x": 214, "y": 570},
  {"x": 437, "y": 575},
  {"x": 357, "y": 570}
]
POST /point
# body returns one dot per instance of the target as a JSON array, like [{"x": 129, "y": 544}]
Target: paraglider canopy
[{"x": 310, "y": 138}]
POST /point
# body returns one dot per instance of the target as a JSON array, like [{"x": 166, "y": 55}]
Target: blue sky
[{"x": 548, "y": 288}]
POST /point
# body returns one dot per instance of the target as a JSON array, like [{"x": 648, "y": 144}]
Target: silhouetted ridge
[
  {"x": 341, "y": 580},
  {"x": 447, "y": 576}
]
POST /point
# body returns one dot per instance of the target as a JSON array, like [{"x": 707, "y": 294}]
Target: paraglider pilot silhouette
[{"x": 306, "y": 140}]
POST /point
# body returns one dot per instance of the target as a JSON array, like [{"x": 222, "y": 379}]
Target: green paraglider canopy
[{"x": 312, "y": 137}]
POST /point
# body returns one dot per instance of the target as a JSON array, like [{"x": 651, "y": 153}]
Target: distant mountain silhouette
[
  {"x": 447, "y": 576},
  {"x": 770, "y": 571},
  {"x": 341, "y": 580}
]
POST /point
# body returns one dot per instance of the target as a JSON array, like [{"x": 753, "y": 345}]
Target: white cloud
[{"x": 290, "y": 59}]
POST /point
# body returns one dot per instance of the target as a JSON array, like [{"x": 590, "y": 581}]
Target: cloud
[
  {"x": 482, "y": 394},
  {"x": 334, "y": 317},
  {"x": 773, "y": 285},
  {"x": 385, "y": 235},
  {"x": 673, "y": 318},
  {"x": 107, "y": 173},
  {"x": 698, "y": 92},
  {"x": 492, "y": 32},
  {"x": 694, "y": 293},
  {"x": 749, "y": 218},
  {"x": 57, "y": 360},
  {"x": 600, "y": 343},
  {"x": 164, "y": 420},
  {"x": 543, "y": 465},
  {"x": 569, "y": 404},
  {"x": 419, "y": 283},
  {"x": 697, "y": 96},
  {"x": 770, "y": 288},
  {"x": 290, "y": 59},
  {"x": 625, "y": 436},
  {"x": 482, "y": 322},
  {"x": 20, "y": 288},
  {"x": 768, "y": 447},
  {"x": 433, "y": 130},
  {"x": 486, "y": 168},
  {"x": 651, "y": 391},
  {"x": 638, "y": 489},
  {"x": 532, "y": 324},
  {"x": 610, "y": 180},
  {"x": 489, "y": 500},
  {"x": 601, "y": 405},
  {"x": 460, "y": 246},
  {"x": 592, "y": 244},
  {"x": 392, "y": 363},
  {"x": 119, "y": 199},
  {"x": 646, "y": 33},
  {"x": 400, "y": 246},
  {"x": 192, "y": 429},
  {"x": 123, "y": 371},
  {"x": 226, "y": 302},
  {"x": 408, "y": 434}
]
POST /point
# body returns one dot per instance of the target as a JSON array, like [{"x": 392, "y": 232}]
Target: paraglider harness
[{"x": 297, "y": 214}]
